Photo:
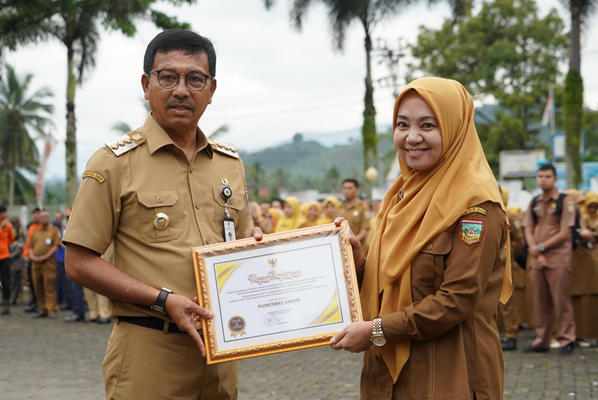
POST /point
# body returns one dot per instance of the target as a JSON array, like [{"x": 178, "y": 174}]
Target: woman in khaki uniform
[
  {"x": 584, "y": 274},
  {"x": 439, "y": 261}
]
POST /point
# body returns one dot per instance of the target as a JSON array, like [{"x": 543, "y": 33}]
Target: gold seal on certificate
[{"x": 236, "y": 325}]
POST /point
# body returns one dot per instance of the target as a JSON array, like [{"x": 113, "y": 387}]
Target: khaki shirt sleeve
[
  {"x": 56, "y": 238},
  {"x": 365, "y": 221},
  {"x": 97, "y": 207},
  {"x": 528, "y": 220},
  {"x": 568, "y": 213},
  {"x": 515, "y": 229},
  {"x": 467, "y": 270}
]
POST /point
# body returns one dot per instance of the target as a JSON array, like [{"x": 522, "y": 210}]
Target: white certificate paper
[{"x": 290, "y": 291}]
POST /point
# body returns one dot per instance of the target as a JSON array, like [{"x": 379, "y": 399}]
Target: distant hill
[{"x": 311, "y": 158}]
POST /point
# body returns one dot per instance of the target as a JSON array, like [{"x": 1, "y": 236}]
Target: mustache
[{"x": 179, "y": 103}]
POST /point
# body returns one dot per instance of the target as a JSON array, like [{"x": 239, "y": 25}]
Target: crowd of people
[
  {"x": 32, "y": 257},
  {"x": 555, "y": 268}
]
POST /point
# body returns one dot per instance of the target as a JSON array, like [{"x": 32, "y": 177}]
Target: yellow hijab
[
  {"x": 592, "y": 219},
  {"x": 295, "y": 221},
  {"x": 309, "y": 205},
  {"x": 433, "y": 200},
  {"x": 325, "y": 219},
  {"x": 276, "y": 214}
]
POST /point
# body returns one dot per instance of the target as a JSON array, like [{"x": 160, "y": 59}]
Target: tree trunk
[
  {"x": 71, "y": 139},
  {"x": 368, "y": 131},
  {"x": 573, "y": 102},
  {"x": 11, "y": 188}
]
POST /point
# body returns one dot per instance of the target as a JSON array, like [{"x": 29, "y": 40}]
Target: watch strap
[{"x": 161, "y": 300}]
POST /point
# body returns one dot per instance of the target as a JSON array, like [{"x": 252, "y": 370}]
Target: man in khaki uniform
[
  {"x": 43, "y": 244},
  {"x": 353, "y": 209},
  {"x": 548, "y": 236},
  {"x": 155, "y": 193}
]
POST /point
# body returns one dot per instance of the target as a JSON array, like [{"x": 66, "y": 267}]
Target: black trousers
[{"x": 5, "y": 277}]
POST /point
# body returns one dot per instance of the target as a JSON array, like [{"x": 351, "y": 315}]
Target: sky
[{"x": 272, "y": 81}]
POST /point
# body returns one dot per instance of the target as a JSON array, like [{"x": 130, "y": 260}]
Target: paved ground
[{"x": 49, "y": 359}]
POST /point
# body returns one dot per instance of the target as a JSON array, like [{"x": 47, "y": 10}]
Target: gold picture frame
[{"x": 292, "y": 290}]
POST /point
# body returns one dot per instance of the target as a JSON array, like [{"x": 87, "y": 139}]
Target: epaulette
[
  {"x": 125, "y": 143},
  {"x": 479, "y": 210},
  {"x": 223, "y": 148}
]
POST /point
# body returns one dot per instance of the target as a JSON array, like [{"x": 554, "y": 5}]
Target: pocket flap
[
  {"x": 441, "y": 244},
  {"x": 152, "y": 198}
]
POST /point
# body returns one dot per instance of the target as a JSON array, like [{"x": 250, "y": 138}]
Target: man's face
[
  {"x": 58, "y": 216},
  {"x": 35, "y": 216},
  {"x": 349, "y": 190},
  {"x": 264, "y": 207},
  {"x": 3, "y": 215},
  {"x": 44, "y": 218},
  {"x": 546, "y": 180},
  {"x": 178, "y": 110}
]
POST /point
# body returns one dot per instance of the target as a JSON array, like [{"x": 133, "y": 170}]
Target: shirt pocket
[
  {"x": 152, "y": 202},
  {"x": 427, "y": 269}
]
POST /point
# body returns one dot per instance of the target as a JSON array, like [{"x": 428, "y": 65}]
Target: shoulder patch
[
  {"x": 90, "y": 174},
  {"x": 471, "y": 230},
  {"x": 479, "y": 210},
  {"x": 125, "y": 143},
  {"x": 223, "y": 148}
]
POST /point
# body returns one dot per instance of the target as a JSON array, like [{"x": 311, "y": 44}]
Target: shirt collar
[{"x": 157, "y": 137}]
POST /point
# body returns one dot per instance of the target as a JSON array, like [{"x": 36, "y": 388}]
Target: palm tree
[
  {"x": 76, "y": 24},
  {"x": 368, "y": 13},
  {"x": 580, "y": 10},
  {"x": 18, "y": 114}
]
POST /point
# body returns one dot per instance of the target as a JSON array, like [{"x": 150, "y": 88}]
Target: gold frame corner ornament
[{"x": 348, "y": 305}]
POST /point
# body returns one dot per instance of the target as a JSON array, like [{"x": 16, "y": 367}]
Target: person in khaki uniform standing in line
[
  {"x": 508, "y": 311},
  {"x": 42, "y": 247},
  {"x": 353, "y": 209},
  {"x": 154, "y": 194},
  {"x": 439, "y": 260},
  {"x": 548, "y": 237}
]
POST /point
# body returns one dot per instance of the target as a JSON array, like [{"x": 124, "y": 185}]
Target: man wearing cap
[{"x": 153, "y": 195}]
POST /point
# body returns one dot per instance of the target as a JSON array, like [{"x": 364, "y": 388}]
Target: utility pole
[{"x": 390, "y": 56}]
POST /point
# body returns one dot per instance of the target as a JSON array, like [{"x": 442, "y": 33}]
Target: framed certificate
[{"x": 292, "y": 290}]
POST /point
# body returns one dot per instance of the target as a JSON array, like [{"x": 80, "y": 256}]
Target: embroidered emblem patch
[
  {"x": 480, "y": 210},
  {"x": 94, "y": 175},
  {"x": 471, "y": 230},
  {"x": 571, "y": 208}
]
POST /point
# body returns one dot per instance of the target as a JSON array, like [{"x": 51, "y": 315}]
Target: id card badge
[
  {"x": 229, "y": 229},
  {"x": 48, "y": 241}
]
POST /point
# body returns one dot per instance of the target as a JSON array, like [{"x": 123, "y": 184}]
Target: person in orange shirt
[
  {"x": 32, "y": 227},
  {"x": 7, "y": 236}
]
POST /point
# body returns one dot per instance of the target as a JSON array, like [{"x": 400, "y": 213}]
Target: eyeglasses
[{"x": 168, "y": 79}]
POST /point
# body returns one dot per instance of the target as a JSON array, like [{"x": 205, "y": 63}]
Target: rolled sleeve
[{"x": 96, "y": 210}]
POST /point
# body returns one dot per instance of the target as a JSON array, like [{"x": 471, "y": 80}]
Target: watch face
[{"x": 379, "y": 340}]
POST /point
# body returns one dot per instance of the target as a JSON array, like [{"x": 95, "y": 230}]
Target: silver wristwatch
[
  {"x": 541, "y": 247},
  {"x": 378, "y": 338}
]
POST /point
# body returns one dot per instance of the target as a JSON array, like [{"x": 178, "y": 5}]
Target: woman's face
[
  {"x": 416, "y": 133},
  {"x": 312, "y": 213},
  {"x": 330, "y": 210},
  {"x": 592, "y": 208},
  {"x": 288, "y": 210}
]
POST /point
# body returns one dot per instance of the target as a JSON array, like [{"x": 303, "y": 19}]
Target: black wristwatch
[{"x": 159, "y": 304}]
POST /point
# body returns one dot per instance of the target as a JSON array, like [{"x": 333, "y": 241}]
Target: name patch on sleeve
[
  {"x": 479, "y": 210},
  {"x": 471, "y": 230},
  {"x": 94, "y": 175}
]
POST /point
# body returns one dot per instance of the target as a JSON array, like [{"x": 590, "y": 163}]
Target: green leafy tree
[
  {"x": 506, "y": 53},
  {"x": 76, "y": 24},
  {"x": 23, "y": 118},
  {"x": 368, "y": 13},
  {"x": 579, "y": 11}
]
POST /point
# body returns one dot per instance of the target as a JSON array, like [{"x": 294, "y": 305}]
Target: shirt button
[
  {"x": 430, "y": 247},
  {"x": 159, "y": 199},
  {"x": 197, "y": 205},
  {"x": 231, "y": 201}
]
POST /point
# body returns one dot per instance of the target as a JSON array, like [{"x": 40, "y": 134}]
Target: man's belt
[{"x": 152, "y": 323}]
